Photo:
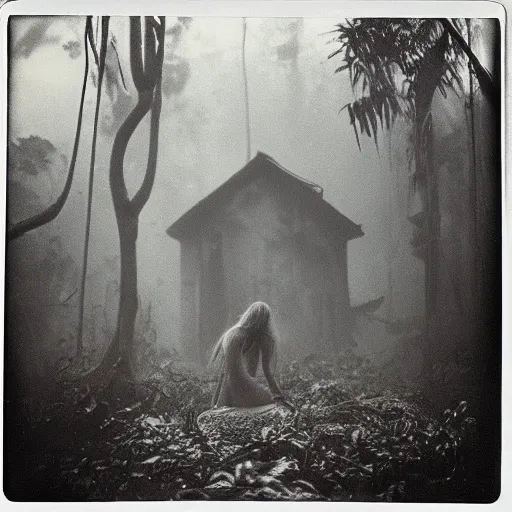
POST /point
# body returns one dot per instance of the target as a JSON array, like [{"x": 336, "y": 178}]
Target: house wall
[
  {"x": 190, "y": 286},
  {"x": 276, "y": 249}
]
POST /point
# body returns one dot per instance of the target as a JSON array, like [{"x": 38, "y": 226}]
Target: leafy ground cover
[{"x": 354, "y": 437}]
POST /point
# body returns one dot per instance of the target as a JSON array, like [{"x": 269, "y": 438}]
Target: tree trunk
[
  {"x": 475, "y": 268},
  {"x": 128, "y": 297},
  {"x": 119, "y": 356},
  {"x": 489, "y": 90},
  {"x": 147, "y": 78},
  {"x": 426, "y": 175},
  {"x": 246, "y": 92},
  {"x": 101, "y": 70},
  {"x": 432, "y": 231}
]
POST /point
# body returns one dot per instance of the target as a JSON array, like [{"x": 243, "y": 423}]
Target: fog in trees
[{"x": 327, "y": 215}]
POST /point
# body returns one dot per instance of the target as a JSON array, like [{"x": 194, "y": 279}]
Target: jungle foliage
[
  {"x": 395, "y": 66},
  {"x": 356, "y": 437}
]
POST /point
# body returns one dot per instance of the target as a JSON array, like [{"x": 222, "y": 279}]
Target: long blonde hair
[{"x": 257, "y": 319}]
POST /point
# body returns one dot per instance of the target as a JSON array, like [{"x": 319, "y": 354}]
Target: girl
[{"x": 241, "y": 347}]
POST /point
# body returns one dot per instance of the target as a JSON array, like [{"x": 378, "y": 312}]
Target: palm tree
[{"x": 395, "y": 67}]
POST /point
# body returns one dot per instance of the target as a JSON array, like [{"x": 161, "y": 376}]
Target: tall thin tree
[
  {"x": 146, "y": 69},
  {"x": 473, "y": 203},
  {"x": 246, "y": 91},
  {"x": 101, "y": 71}
]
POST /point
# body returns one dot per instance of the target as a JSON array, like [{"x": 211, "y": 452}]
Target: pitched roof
[{"x": 255, "y": 168}]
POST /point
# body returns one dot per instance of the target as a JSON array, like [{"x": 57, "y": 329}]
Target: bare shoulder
[{"x": 234, "y": 338}]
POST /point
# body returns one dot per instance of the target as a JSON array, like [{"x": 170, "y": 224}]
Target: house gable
[{"x": 263, "y": 166}]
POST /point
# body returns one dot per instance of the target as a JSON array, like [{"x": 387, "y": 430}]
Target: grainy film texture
[{"x": 253, "y": 259}]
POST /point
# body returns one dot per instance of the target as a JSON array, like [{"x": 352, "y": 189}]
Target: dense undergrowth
[{"x": 354, "y": 437}]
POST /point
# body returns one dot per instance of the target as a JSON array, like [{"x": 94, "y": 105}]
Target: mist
[
  {"x": 340, "y": 216},
  {"x": 294, "y": 118}
]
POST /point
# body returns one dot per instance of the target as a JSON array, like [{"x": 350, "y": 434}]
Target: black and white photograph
[{"x": 252, "y": 257}]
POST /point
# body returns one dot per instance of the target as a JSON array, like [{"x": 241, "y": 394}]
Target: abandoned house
[{"x": 265, "y": 234}]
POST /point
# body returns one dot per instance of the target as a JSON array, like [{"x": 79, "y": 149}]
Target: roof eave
[
  {"x": 181, "y": 227},
  {"x": 358, "y": 232}
]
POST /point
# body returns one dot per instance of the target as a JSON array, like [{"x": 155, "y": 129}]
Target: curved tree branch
[
  {"x": 149, "y": 52},
  {"x": 117, "y": 183},
  {"x": 142, "y": 196},
  {"x": 136, "y": 53},
  {"x": 126, "y": 130},
  {"x": 93, "y": 44},
  {"x": 51, "y": 212}
]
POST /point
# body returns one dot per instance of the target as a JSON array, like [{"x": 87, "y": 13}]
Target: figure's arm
[
  {"x": 267, "y": 350},
  {"x": 266, "y": 359},
  {"x": 217, "y": 391}
]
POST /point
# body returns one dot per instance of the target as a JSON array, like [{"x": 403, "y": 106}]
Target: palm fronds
[{"x": 385, "y": 58}]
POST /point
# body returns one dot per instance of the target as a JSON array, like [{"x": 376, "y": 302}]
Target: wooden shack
[{"x": 265, "y": 234}]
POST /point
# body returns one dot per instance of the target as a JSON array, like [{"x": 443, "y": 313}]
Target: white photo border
[{"x": 289, "y": 8}]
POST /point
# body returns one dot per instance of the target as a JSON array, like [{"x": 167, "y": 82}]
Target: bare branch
[
  {"x": 126, "y": 130},
  {"x": 149, "y": 52},
  {"x": 103, "y": 55},
  {"x": 51, "y": 212},
  {"x": 136, "y": 53},
  {"x": 91, "y": 40},
  {"x": 142, "y": 196},
  {"x": 119, "y": 65}
]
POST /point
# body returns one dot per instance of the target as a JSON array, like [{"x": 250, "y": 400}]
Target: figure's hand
[{"x": 281, "y": 401}]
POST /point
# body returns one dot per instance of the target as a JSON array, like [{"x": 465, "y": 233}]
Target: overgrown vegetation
[
  {"x": 395, "y": 65},
  {"x": 354, "y": 437}
]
